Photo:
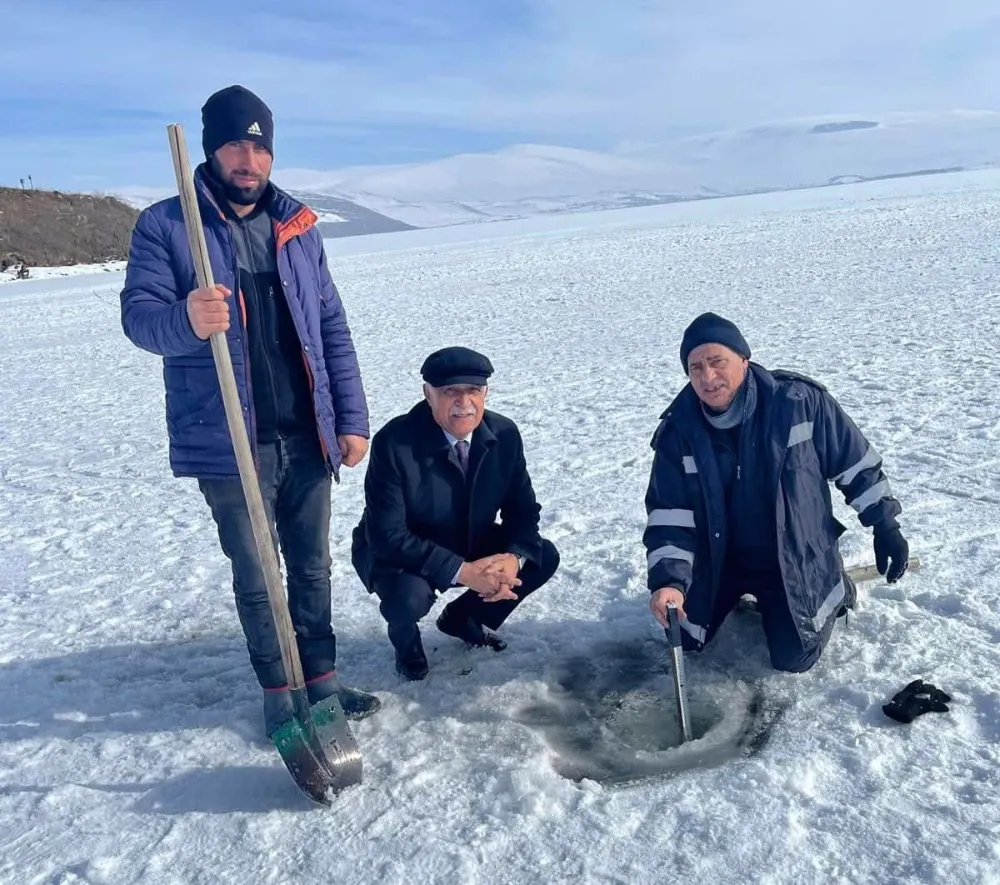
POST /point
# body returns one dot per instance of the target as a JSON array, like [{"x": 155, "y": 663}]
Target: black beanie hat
[
  {"x": 710, "y": 328},
  {"x": 235, "y": 114}
]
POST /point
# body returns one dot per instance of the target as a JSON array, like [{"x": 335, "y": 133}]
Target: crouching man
[
  {"x": 437, "y": 478},
  {"x": 739, "y": 503}
]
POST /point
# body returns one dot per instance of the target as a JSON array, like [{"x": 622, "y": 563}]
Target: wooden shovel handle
[
  {"x": 870, "y": 572},
  {"x": 234, "y": 417}
]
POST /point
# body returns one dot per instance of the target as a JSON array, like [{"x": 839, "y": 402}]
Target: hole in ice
[{"x": 612, "y": 718}]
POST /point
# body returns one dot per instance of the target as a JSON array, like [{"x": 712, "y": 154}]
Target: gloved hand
[
  {"x": 917, "y": 698},
  {"x": 890, "y": 544}
]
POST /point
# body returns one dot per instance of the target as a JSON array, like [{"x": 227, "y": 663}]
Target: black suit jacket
[{"x": 423, "y": 516}]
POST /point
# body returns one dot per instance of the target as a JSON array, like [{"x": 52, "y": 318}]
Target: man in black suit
[{"x": 437, "y": 478}]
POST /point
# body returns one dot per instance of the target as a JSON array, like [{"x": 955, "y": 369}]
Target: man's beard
[{"x": 241, "y": 196}]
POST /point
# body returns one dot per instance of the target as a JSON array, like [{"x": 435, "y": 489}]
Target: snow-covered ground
[
  {"x": 130, "y": 731},
  {"x": 73, "y": 270}
]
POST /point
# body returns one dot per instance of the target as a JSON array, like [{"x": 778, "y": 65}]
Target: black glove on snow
[
  {"x": 917, "y": 698},
  {"x": 890, "y": 543}
]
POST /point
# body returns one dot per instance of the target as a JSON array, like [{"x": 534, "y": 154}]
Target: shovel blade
[
  {"x": 306, "y": 766},
  {"x": 318, "y": 748},
  {"x": 337, "y": 743}
]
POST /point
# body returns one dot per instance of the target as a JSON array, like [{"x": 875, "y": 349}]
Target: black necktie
[{"x": 462, "y": 450}]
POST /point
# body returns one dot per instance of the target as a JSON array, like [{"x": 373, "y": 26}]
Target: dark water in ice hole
[{"x": 611, "y": 717}]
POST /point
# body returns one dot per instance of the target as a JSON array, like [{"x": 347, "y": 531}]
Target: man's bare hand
[
  {"x": 208, "y": 311},
  {"x": 352, "y": 449},
  {"x": 488, "y": 579},
  {"x": 505, "y": 592},
  {"x": 663, "y": 599},
  {"x": 506, "y": 565}
]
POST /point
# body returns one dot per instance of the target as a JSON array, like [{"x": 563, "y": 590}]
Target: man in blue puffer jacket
[
  {"x": 739, "y": 503},
  {"x": 295, "y": 367}
]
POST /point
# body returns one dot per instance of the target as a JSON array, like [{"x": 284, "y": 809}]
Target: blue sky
[{"x": 89, "y": 85}]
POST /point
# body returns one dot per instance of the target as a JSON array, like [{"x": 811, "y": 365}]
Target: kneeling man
[
  {"x": 739, "y": 499},
  {"x": 437, "y": 478}
]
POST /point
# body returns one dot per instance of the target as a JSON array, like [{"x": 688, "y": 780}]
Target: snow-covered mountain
[
  {"x": 825, "y": 150},
  {"x": 336, "y": 216},
  {"x": 526, "y": 180},
  {"x": 515, "y": 182},
  {"x": 530, "y": 179}
]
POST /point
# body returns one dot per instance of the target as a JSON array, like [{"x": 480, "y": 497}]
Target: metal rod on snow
[{"x": 677, "y": 668}]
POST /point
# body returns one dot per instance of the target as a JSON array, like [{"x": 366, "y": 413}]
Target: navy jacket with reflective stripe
[{"x": 808, "y": 441}]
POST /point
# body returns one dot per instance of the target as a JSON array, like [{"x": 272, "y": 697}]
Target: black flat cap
[{"x": 456, "y": 365}]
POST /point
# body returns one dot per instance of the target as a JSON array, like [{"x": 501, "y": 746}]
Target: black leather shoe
[
  {"x": 469, "y": 631},
  {"x": 412, "y": 666},
  {"x": 357, "y": 704},
  {"x": 491, "y": 640}
]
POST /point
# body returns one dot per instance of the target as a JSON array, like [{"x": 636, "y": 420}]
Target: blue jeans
[{"x": 295, "y": 485}]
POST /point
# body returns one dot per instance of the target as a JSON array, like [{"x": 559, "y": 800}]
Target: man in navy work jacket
[
  {"x": 295, "y": 367},
  {"x": 437, "y": 478},
  {"x": 739, "y": 500}
]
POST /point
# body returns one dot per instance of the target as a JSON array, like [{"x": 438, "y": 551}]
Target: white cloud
[{"x": 566, "y": 71}]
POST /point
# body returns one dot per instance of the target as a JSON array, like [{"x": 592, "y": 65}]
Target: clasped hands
[{"x": 492, "y": 577}]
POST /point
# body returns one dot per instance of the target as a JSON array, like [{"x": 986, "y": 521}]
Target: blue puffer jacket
[
  {"x": 160, "y": 274},
  {"x": 809, "y": 441}
]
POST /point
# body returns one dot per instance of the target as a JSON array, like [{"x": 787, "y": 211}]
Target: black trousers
[
  {"x": 784, "y": 644},
  {"x": 406, "y": 598}
]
